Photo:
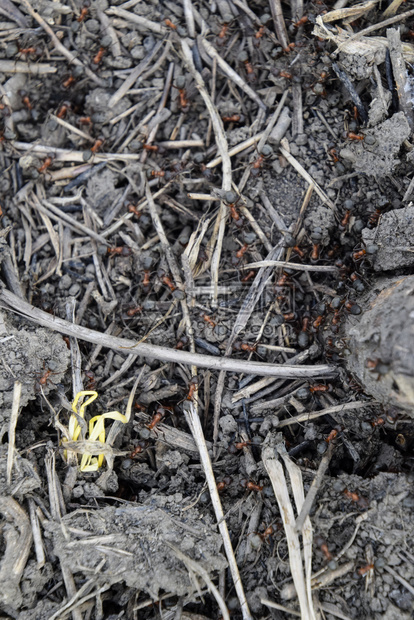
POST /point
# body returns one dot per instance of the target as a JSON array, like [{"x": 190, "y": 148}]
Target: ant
[
  {"x": 68, "y": 82},
  {"x": 314, "y": 389},
  {"x": 84, "y": 11},
  {"x": 183, "y": 342},
  {"x": 223, "y": 483},
  {"x": 167, "y": 280},
  {"x": 251, "y": 486},
  {"x": 169, "y": 24},
  {"x": 357, "y": 499},
  {"x": 378, "y": 422},
  {"x": 346, "y": 218},
  {"x": 91, "y": 383},
  {"x": 209, "y": 320},
  {"x": 133, "y": 209},
  {"x": 97, "y": 145},
  {"x": 180, "y": 86},
  {"x": 231, "y": 199},
  {"x": 244, "y": 346},
  {"x": 141, "y": 447},
  {"x": 46, "y": 164},
  {"x": 266, "y": 152},
  {"x": 97, "y": 59},
  {"x": 154, "y": 148},
  {"x": 301, "y": 22},
  {"x": 332, "y": 435},
  {"x": 45, "y": 377},
  {"x": 285, "y": 74},
  {"x": 26, "y": 99},
  {"x": 133, "y": 311},
  {"x": 365, "y": 569},
  {"x": 315, "y": 251},
  {"x": 192, "y": 388},
  {"x": 267, "y": 533},
  {"x": 146, "y": 280},
  {"x": 63, "y": 110},
  {"x": 259, "y": 34},
  {"x": 251, "y": 75},
  {"x": 235, "y": 118},
  {"x": 156, "y": 418},
  {"x": 298, "y": 251},
  {"x": 221, "y": 37},
  {"x": 374, "y": 218},
  {"x": 248, "y": 276},
  {"x": 85, "y": 120},
  {"x": 29, "y": 51},
  {"x": 354, "y": 136},
  {"x": 122, "y": 250},
  {"x": 333, "y": 153}
]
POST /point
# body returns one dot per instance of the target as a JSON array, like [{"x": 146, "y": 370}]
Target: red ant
[
  {"x": 315, "y": 251},
  {"x": 251, "y": 486},
  {"x": 26, "y": 51},
  {"x": 169, "y": 23},
  {"x": 259, "y": 34},
  {"x": 374, "y": 218},
  {"x": 134, "y": 311},
  {"x": 68, "y": 82},
  {"x": 357, "y": 499},
  {"x": 222, "y": 34},
  {"x": 257, "y": 165},
  {"x": 146, "y": 280},
  {"x": 122, "y": 250},
  {"x": 231, "y": 200},
  {"x": 365, "y": 569},
  {"x": 63, "y": 110},
  {"x": 97, "y": 59},
  {"x": 314, "y": 389},
  {"x": 298, "y": 251},
  {"x": 141, "y": 447},
  {"x": 85, "y": 120},
  {"x": 192, "y": 388},
  {"x": 267, "y": 533},
  {"x": 346, "y": 218},
  {"x": 354, "y": 136},
  {"x": 180, "y": 86},
  {"x": 332, "y": 152},
  {"x": 251, "y": 76},
  {"x": 97, "y": 145},
  {"x": 223, "y": 484},
  {"x": 248, "y": 276},
  {"x": 285, "y": 74},
  {"x": 235, "y": 118},
  {"x": 332, "y": 435},
  {"x": 45, "y": 377},
  {"x": 46, "y": 164},
  {"x": 301, "y": 22},
  {"x": 26, "y": 99},
  {"x": 318, "y": 321},
  {"x": 209, "y": 320},
  {"x": 133, "y": 209},
  {"x": 244, "y": 346},
  {"x": 91, "y": 383},
  {"x": 168, "y": 282},
  {"x": 183, "y": 342},
  {"x": 156, "y": 418}
]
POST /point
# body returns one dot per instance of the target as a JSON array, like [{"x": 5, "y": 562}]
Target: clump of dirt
[
  {"x": 393, "y": 236},
  {"x": 375, "y": 153},
  {"x": 38, "y": 358},
  {"x": 136, "y": 545},
  {"x": 381, "y": 343}
]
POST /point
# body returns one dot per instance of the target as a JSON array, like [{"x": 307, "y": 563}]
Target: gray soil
[{"x": 138, "y": 537}]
